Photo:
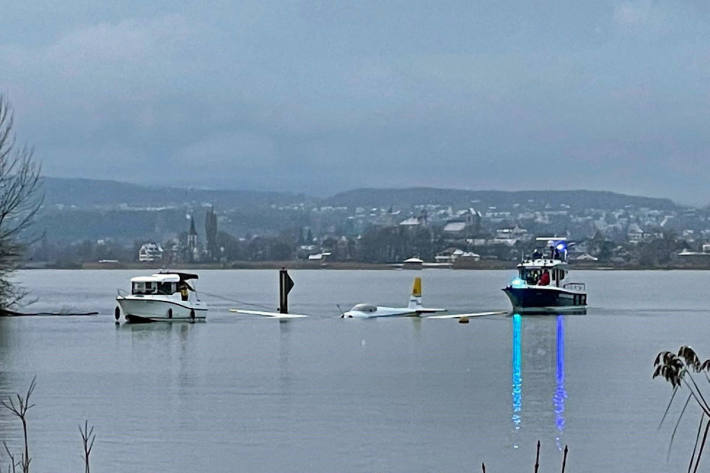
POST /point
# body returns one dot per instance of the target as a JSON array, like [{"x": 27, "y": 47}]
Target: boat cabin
[
  {"x": 165, "y": 284},
  {"x": 533, "y": 272},
  {"x": 546, "y": 268}
]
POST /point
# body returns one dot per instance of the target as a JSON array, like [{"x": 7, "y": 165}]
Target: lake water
[{"x": 238, "y": 393}]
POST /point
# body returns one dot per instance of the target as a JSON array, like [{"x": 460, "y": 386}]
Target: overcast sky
[{"x": 318, "y": 96}]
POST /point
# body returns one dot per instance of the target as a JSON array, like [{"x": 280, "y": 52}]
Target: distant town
[{"x": 135, "y": 225}]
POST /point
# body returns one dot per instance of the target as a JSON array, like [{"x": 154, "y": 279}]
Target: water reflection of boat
[
  {"x": 535, "y": 362},
  {"x": 517, "y": 373},
  {"x": 560, "y": 396}
]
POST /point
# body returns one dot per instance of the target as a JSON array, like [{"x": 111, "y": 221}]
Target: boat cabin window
[
  {"x": 154, "y": 287},
  {"x": 147, "y": 287},
  {"x": 166, "y": 288},
  {"x": 531, "y": 276}
]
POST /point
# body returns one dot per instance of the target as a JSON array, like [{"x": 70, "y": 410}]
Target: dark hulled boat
[{"x": 540, "y": 285}]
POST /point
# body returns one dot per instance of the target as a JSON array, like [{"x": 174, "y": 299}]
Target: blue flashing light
[
  {"x": 518, "y": 283},
  {"x": 560, "y": 246}
]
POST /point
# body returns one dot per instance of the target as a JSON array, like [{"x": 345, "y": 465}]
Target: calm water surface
[{"x": 328, "y": 395}]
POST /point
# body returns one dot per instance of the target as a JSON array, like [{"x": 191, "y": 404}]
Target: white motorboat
[{"x": 162, "y": 297}]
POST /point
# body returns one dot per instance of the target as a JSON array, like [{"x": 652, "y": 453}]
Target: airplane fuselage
[{"x": 380, "y": 312}]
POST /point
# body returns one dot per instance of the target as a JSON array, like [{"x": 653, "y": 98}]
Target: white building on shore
[{"x": 150, "y": 252}]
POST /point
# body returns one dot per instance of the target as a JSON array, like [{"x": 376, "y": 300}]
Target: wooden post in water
[
  {"x": 537, "y": 457},
  {"x": 483, "y": 466},
  {"x": 285, "y": 286}
]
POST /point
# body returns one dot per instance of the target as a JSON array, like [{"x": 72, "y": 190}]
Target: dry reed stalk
[
  {"x": 87, "y": 439},
  {"x": 537, "y": 457},
  {"x": 564, "y": 460},
  {"x": 19, "y": 407}
]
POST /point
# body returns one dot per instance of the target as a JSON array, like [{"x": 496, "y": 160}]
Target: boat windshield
[
  {"x": 532, "y": 276},
  {"x": 153, "y": 287}
]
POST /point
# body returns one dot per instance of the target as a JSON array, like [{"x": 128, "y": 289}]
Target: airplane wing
[
  {"x": 424, "y": 310},
  {"x": 465, "y": 316},
  {"x": 273, "y": 315}
]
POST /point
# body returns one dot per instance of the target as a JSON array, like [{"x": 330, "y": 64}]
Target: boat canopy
[
  {"x": 157, "y": 278},
  {"x": 543, "y": 263},
  {"x": 165, "y": 277},
  {"x": 182, "y": 276}
]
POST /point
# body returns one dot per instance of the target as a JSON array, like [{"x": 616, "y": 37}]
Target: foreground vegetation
[
  {"x": 19, "y": 405},
  {"x": 536, "y": 467},
  {"x": 686, "y": 373}
]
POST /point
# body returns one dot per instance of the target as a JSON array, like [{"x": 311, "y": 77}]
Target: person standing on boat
[
  {"x": 544, "y": 278},
  {"x": 183, "y": 291}
]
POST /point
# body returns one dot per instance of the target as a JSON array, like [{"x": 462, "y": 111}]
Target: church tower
[{"x": 192, "y": 242}]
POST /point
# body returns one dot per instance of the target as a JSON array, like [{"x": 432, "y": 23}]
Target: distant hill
[
  {"x": 79, "y": 209},
  {"x": 578, "y": 199},
  {"x": 92, "y": 193}
]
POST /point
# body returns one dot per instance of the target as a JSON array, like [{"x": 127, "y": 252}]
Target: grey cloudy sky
[{"x": 322, "y": 95}]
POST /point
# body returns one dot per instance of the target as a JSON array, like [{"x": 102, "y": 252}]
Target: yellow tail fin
[
  {"x": 417, "y": 287},
  {"x": 415, "y": 300}
]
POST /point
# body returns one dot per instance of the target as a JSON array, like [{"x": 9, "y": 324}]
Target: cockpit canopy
[{"x": 369, "y": 308}]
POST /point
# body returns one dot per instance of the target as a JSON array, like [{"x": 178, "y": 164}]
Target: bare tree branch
[
  {"x": 87, "y": 439},
  {"x": 20, "y": 201},
  {"x": 12, "y": 467},
  {"x": 19, "y": 407}
]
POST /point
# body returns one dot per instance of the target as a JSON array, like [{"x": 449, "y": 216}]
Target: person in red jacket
[{"x": 544, "y": 278}]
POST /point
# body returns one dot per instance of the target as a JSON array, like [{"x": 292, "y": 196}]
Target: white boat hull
[{"x": 142, "y": 309}]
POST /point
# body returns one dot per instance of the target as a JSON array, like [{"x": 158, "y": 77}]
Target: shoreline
[{"x": 352, "y": 265}]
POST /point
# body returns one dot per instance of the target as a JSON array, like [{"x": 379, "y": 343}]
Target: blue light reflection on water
[
  {"x": 560, "y": 395},
  {"x": 517, "y": 373}
]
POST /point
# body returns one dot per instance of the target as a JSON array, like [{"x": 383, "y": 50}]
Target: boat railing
[
  {"x": 121, "y": 292},
  {"x": 575, "y": 286}
]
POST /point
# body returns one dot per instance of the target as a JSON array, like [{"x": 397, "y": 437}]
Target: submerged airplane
[
  {"x": 366, "y": 311},
  {"x": 414, "y": 309}
]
